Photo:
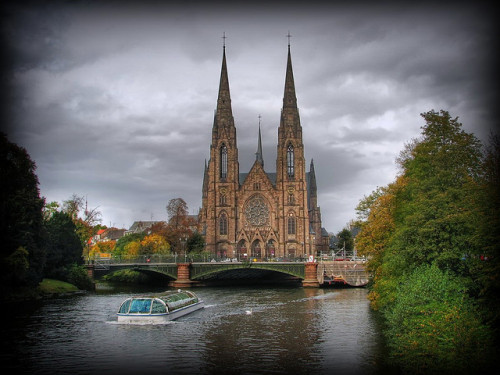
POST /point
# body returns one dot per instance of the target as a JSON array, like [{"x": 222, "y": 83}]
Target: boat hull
[{"x": 159, "y": 318}]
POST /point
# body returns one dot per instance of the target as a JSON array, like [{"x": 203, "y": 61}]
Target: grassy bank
[{"x": 51, "y": 286}]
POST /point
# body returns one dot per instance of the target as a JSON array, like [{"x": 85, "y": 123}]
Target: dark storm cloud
[{"x": 115, "y": 102}]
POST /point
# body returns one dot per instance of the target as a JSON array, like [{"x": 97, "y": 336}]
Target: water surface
[{"x": 290, "y": 330}]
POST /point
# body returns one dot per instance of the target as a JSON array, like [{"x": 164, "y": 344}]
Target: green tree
[
  {"x": 63, "y": 245},
  {"x": 486, "y": 266},
  {"x": 120, "y": 248},
  {"x": 432, "y": 238},
  {"x": 434, "y": 216},
  {"x": 434, "y": 326},
  {"x": 21, "y": 222},
  {"x": 345, "y": 240},
  {"x": 195, "y": 243}
]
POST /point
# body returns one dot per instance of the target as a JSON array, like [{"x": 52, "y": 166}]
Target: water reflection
[{"x": 290, "y": 330}]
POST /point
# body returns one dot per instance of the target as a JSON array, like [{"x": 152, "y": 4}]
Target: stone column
[
  {"x": 311, "y": 275},
  {"x": 183, "y": 274}
]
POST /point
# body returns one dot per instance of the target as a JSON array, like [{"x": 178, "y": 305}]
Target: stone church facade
[{"x": 260, "y": 214}]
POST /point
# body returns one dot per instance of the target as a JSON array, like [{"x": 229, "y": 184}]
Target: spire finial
[
  {"x": 288, "y": 36},
  {"x": 258, "y": 155},
  {"x": 224, "y": 37}
]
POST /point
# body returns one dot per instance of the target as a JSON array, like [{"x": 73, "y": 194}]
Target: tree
[
  {"x": 195, "y": 243},
  {"x": 426, "y": 235},
  {"x": 486, "y": 266},
  {"x": 154, "y": 244},
  {"x": 86, "y": 220},
  {"x": 21, "y": 222},
  {"x": 179, "y": 225},
  {"x": 433, "y": 217},
  {"x": 177, "y": 211},
  {"x": 121, "y": 249},
  {"x": 434, "y": 325},
  {"x": 62, "y": 244},
  {"x": 104, "y": 247},
  {"x": 345, "y": 240}
]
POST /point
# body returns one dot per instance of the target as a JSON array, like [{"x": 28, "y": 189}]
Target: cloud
[{"x": 116, "y": 102}]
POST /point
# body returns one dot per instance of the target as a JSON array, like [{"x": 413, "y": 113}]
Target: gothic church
[{"x": 259, "y": 214}]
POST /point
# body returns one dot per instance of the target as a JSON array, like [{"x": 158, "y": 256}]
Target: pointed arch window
[
  {"x": 290, "y": 161},
  {"x": 223, "y": 162},
  {"x": 223, "y": 224},
  {"x": 292, "y": 224}
]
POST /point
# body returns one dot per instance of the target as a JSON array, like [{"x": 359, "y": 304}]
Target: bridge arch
[{"x": 200, "y": 271}]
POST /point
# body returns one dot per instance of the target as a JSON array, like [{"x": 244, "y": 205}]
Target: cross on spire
[
  {"x": 224, "y": 37},
  {"x": 288, "y": 36}
]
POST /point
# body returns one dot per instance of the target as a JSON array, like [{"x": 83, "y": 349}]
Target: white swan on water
[{"x": 248, "y": 312}]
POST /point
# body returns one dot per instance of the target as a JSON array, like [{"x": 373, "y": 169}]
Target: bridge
[{"x": 187, "y": 274}]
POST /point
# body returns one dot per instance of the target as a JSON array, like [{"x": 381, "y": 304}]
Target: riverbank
[{"x": 48, "y": 288}]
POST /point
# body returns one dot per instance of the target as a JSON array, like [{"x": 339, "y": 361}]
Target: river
[{"x": 291, "y": 330}]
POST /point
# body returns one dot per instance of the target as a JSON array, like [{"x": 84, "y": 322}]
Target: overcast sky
[{"x": 116, "y": 103}]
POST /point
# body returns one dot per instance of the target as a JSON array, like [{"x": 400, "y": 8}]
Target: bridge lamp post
[{"x": 183, "y": 241}]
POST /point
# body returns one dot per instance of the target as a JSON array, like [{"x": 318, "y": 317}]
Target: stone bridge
[{"x": 186, "y": 274}]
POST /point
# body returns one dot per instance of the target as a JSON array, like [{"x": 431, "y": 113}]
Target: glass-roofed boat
[{"x": 156, "y": 309}]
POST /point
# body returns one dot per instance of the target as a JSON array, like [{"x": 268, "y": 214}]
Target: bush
[
  {"x": 128, "y": 276},
  {"x": 434, "y": 326},
  {"x": 77, "y": 275}
]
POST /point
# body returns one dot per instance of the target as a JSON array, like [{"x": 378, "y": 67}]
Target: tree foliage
[
  {"x": 20, "y": 212},
  {"x": 345, "y": 240},
  {"x": 62, "y": 245},
  {"x": 434, "y": 327},
  {"x": 431, "y": 220}
]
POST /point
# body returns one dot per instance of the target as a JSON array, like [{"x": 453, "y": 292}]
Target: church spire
[
  {"x": 258, "y": 154},
  {"x": 289, "y": 97},
  {"x": 290, "y": 119},
  {"x": 312, "y": 180},
  {"x": 224, "y": 114}
]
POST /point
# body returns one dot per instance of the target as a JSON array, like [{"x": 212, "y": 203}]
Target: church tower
[
  {"x": 291, "y": 173},
  {"x": 260, "y": 214},
  {"x": 221, "y": 179}
]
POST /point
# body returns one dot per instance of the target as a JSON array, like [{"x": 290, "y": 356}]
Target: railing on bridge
[{"x": 186, "y": 258}]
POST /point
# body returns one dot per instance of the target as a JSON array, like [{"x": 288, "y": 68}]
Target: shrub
[{"x": 434, "y": 326}]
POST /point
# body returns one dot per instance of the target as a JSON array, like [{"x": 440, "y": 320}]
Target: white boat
[{"x": 158, "y": 309}]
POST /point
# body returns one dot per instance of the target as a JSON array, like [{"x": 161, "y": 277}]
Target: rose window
[{"x": 257, "y": 212}]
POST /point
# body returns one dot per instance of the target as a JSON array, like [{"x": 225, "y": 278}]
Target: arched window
[
  {"x": 290, "y": 161},
  {"x": 292, "y": 225},
  {"x": 223, "y": 224},
  {"x": 223, "y": 162}
]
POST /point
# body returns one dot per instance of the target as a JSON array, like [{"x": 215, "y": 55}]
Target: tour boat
[{"x": 158, "y": 309}]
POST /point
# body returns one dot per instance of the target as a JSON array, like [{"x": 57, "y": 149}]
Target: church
[{"x": 260, "y": 215}]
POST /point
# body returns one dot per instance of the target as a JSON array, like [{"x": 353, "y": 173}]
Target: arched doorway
[
  {"x": 271, "y": 249},
  {"x": 257, "y": 249},
  {"x": 242, "y": 251}
]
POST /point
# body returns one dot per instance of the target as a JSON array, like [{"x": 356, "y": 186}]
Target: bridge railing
[{"x": 185, "y": 258}]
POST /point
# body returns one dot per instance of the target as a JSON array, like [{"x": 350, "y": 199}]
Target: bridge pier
[
  {"x": 183, "y": 276},
  {"x": 311, "y": 275},
  {"x": 90, "y": 271}
]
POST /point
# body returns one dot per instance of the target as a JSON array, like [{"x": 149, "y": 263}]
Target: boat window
[
  {"x": 124, "y": 307},
  {"x": 140, "y": 306},
  {"x": 158, "y": 307}
]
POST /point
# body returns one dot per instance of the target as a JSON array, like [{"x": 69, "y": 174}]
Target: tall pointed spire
[
  {"x": 224, "y": 98},
  {"x": 258, "y": 154},
  {"x": 290, "y": 119},
  {"x": 289, "y": 97},
  {"x": 312, "y": 180}
]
